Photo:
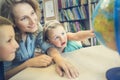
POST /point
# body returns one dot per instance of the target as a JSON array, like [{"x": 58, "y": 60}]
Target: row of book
[
  {"x": 75, "y": 13},
  {"x": 93, "y": 7},
  {"x": 70, "y": 3},
  {"x": 94, "y": 1},
  {"x": 74, "y": 26}
]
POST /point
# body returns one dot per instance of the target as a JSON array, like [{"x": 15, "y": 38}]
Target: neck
[
  {"x": 24, "y": 35},
  {"x": 61, "y": 49}
]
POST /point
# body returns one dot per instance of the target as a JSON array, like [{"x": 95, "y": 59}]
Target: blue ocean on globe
[{"x": 106, "y": 23}]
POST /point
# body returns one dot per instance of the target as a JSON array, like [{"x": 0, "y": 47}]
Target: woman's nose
[{"x": 31, "y": 21}]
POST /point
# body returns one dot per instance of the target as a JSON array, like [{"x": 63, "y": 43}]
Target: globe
[{"x": 106, "y": 23}]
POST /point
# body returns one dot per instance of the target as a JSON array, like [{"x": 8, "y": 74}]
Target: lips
[{"x": 63, "y": 43}]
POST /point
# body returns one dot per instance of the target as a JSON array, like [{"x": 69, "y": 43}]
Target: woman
[{"x": 25, "y": 14}]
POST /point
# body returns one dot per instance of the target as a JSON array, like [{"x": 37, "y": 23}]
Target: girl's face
[
  {"x": 25, "y": 18},
  {"x": 58, "y": 37},
  {"x": 8, "y": 44}
]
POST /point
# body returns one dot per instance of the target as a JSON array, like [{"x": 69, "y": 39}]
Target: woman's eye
[
  {"x": 23, "y": 18},
  {"x": 33, "y": 13}
]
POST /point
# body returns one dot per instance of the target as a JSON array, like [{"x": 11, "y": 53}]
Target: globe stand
[{"x": 113, "y": 74}]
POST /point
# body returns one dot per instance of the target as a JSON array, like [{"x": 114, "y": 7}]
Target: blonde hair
[
  {"x": 48, "y": 26},
  {"x": 5, "y": 21},
  {"x": 7, "y": 11}
]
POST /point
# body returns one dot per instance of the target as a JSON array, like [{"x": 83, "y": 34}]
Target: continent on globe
[{"x": 103, "y": 22}]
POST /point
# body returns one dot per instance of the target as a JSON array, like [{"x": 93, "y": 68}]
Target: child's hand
[
  {"x": 39, "y": 61},
  {"x": 81, "y": 35},
  {"x": 89, "y": 33},
  {"x": 85, "y": 34},
  {"x": 64, "y": 68}
]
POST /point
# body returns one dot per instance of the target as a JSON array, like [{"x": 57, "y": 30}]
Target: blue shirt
[
  {"x": 26, "y": 50},
  {"x": 1, "y": 71}
]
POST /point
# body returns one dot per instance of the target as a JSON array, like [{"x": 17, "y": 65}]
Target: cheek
[
  {"x": 5, "y": 54},
  {"x": 36, "y": 21},
  {"x": 22, "y": 25},
  {"x": 65, "y": 37},
  {"x": 57, "y": 43},
  {"x": 36, "y": 18},
  {"x": 5, "y": 50}
]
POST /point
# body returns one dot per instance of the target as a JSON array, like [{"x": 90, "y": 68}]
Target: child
[
  {"x": 8, "y": 44},
  {"x": 55, "y": 34}
]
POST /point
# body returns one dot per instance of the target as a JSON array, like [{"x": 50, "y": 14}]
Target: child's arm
[
  {"x": 39, "y": 61},
  {"x": 80, "y": 35},
  {"x": 62, "y": 66}
]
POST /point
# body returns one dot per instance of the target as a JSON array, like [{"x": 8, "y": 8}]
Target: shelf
[{"x": 73, "y": 20}]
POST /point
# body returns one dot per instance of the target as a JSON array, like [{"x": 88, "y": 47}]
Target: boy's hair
[
  {"x": 5, "y": 21},
  {"x": 48, "y": 26}
]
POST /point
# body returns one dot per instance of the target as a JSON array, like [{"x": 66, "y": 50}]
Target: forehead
[
  {"x": 56, "y": 31},
  {"x": 57, "y": 28},
  {"x": 6, "y": 30},
  {"x": 21, "y": 9}
]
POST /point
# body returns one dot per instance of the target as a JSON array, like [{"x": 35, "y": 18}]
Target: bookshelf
[
  {"x": 75, "y": 15},
  {"x": 42, "y": 11}
]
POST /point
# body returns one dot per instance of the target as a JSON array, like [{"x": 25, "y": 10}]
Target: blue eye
[
  {"x": 33, "y": 12},
  {"x": 56, "y": 37},
  {"x": 23, "y": 18}
]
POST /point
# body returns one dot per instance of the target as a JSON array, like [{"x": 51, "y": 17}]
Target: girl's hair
[
  {"x": 7, "y": 11},
  {"x": 48, "y": 26},
  {"x": 5, "y": 21}
]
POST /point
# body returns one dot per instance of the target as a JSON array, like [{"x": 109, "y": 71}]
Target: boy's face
[
  {"x": 58, "y": 37},
  {"x": 8, "y": 44}
]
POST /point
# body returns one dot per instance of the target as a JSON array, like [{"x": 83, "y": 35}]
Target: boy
[{"x": 8, "y": 44}]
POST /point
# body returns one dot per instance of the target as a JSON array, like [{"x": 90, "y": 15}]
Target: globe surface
[{"x": 106, "y": 22}]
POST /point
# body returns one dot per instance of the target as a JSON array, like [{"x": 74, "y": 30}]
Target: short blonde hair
[
  {"x": 52, "y": 24},
  {"x": 5, "y": 21}
]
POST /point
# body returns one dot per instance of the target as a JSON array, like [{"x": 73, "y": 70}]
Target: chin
[{"x": 11, "y": 57}]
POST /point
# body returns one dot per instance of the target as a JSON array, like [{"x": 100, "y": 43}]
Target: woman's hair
[
  {"x": 8, "y": 5},
  {"x": 5, "y": 21},
  {"x": 7, "y": 11},
  {"x": 49, "y": 26}
]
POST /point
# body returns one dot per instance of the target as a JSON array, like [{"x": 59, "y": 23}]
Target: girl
[{"x": 55, "y": 34}]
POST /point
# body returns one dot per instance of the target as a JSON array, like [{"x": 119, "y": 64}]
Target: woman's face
[
  {"x": 8, "y": 44},
  {"x": 25, "y": 18},
  {"x": 58, "y": 37}
]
